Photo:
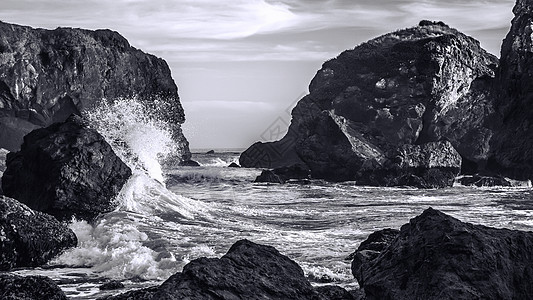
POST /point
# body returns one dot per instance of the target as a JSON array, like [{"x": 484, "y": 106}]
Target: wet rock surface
[
  {"x": 247, "y": 271},
  {"x": 29, "y": 288},
  {"x": 284, "y": 174},
  {"x": 436, "y": 256},
  {"x": 66, "y": 170},
  {"x": 29, "y": 238},
  {"x": 47, "y": 75}
]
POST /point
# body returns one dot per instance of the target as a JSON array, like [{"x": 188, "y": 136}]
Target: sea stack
[
  {"x": 421, "y": 85},
  {"x": 47, "y": 75}
]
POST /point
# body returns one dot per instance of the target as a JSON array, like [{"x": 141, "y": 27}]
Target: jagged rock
[
  {"x": 247, "y": 271},
  {"x": 436, "y": 256},
  {"x": 480, "y": 180},
  {"x": 66, "y": 169},
  {"x": 283, "y": 174},
  {"x": 332, "y": 292},
  {"x": 29, "y": 288},
  {"x": 46, "y": 75},
  {"x": 233, "y": 165},
  {"x": 431, "y": 165},
  {"x": 189, "y": 163},
  {"x": 411, "y": 87},
  {"x": 29, "y": 238},
  {"x": 111, "y": 285},
  {"x": 512, "y": 145}
]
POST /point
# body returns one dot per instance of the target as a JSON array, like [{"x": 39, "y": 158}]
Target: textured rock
[
  {"x": 431, "y": 165},
  {"x": 512, "y": 146},
  {"x": 283, "y": 174},
  {"x": 66, "y": 169},
  {"x": 247, "y": 271},
  {"x": 46, "y": 75},
  {"x": 13, "y": 287},
  {"x": 411, "y": 87},
  {"x": 111, "y": 285},
  {"x": 480, "y": 180},
  {"x": 29, "y": 238},
  {"x": 436, "y": 256},
  {"x": 233, "y": 165}
]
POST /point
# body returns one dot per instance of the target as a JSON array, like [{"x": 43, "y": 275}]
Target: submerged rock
[
  {"x": 189, "y": 163},
  {"x": 247, "y": 271},
  {"x": 111, "y": 285},
  {"x": 47, "y": 75},
  {"x": 29, "y": 288},
  {"x": 436, "y": 256},
  {"x": 283, "y": 174},
  {"x": 30, "y": 238},
  {"x": 233, "y": 165},
  {"x": 65, "y": 170},
  {"x": 483, "y": 181},
  {"x": 411, "y": 87}
]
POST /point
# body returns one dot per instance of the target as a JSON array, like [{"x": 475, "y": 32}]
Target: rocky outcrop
[
  {"x": 436, "y": 256},
  {"x": 47, "y": 75},
  {"x": 29, "y": 288},
  {"x": 29, "y": 238},
  {"x": 415, "y": 86},
  {"x": 512, "y": 145},
  {"x": 66, "y": 169},
  {"x": 483, "y": 181},
  {"x": 247, "y": 271},
  {"x": 284, "y": 174}
]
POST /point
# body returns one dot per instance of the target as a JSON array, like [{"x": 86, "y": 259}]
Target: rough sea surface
[{"x": 168, "y": 216}]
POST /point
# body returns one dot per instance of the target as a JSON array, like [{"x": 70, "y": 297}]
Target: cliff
[
  {"x": 46, "y": 75},
  {"x": 420, "y": 85},
  {"x": 512, "y": 145}
]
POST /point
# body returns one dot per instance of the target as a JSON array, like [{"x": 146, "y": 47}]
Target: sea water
[{"x": 168, "y": 215}]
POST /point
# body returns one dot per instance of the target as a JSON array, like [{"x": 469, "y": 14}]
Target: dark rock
[
  {"x": 332, "y": 292},
  {"x": 431, "y": 165},
  {"x": 111, "y": 285},
  {"x": 411, "y": 87},
  {"x": 436, "y": 256},
  {"x": 29, "y": 288},
  {"x": 29, "y": 238},
  {"x": 47, "y": 75},
  {"x": 283, "y": 174},
  {"x": 480, "y": 180},
  {"x": 210, "y": 152},
  {"x": 247, "y": 271},
  {"x": 65, "y": 170},
  {"x": 189, "y": 163},
  {"x": 512, "y": 145},
  {"x": 233, "y": 165}
]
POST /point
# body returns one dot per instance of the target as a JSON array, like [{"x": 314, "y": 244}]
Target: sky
[{"x": 241, "y": 65}]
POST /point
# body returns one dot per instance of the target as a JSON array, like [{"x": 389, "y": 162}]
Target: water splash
[{"x": 137, "y": 137}]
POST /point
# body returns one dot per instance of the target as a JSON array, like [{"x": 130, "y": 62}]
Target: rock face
[
  {"x": 46, "y": 75},
  {"x": 512, "y": 146},
  {"x": 65, "y": 170},
  {"x": 29, "y": 238},
  {"x": 412, "y": 87},
  {"x": 436, "y": 256},
  {"x": 247, "y": 271},
  {"x": 29, "y": 288}
]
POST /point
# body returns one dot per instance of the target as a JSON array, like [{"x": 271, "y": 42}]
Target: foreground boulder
[
  {"x": 65, "y": 170},
  {"x": 436, "y": 256},
  {"x": 412, "y": 87},
  {"x": 247, "y": 271},
  {"x": 284, "y": 174},
  {"x": 47, "y": 75},
  {"x": 29, "y": 238},
  {"x": 29, "y": 288}
]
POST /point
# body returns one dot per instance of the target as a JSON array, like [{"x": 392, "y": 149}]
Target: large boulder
[
  {"x": 436, "y": 256},
  {"x": 247, "y": 271},
  {"x": 13, "y": 287},
  {"x": 66, "y": 169},
  {"x": 29, "y": 238},
  {"x": 512, "y": 145},
  {"x": 47, "y": 75},
  {"x": 415, "y": 86}
]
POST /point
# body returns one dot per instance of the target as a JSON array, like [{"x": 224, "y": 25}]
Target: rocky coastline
[{"x": 438, "y": 106}]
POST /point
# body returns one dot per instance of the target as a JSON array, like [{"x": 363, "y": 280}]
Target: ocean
[{"x": 170, "y": 215}]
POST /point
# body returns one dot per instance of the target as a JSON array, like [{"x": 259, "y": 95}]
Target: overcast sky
[{"x": 240, "y": 65}]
